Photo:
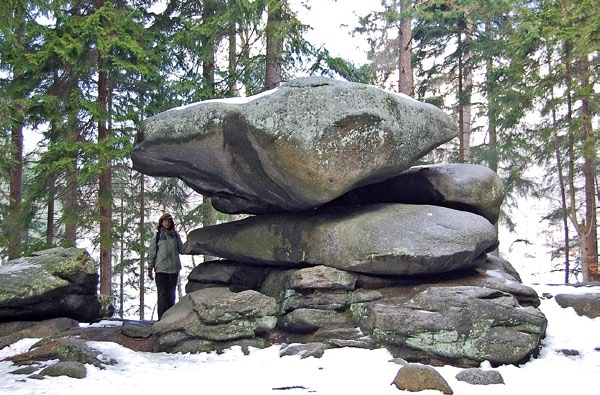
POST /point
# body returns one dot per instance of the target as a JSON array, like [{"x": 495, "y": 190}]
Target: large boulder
[
  {"x": 59, "y": 282},
  {"x": 463, "y": 317},
  {"x": 212, "y": 316},
  {"x": 460, "y": 186},
  {"x": 11, "y": 332},
  {"x": 377, "y": 239},
  {"x": 586, "y": 304},
  {"x": 293, "y": 148},
  {"x": 460, "y": 325}
]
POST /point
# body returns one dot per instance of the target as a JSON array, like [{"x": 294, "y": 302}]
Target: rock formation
[
  {"x": 293, "y": 148},
  {"x": 586, "y": 304},
  {"x": 59, "y": 282},
  {"x": 351, "y": 246},
  {"x": 373, "y": 239}
]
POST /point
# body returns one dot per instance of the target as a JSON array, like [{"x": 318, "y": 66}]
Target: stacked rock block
[{"x": 351, "y": 242}]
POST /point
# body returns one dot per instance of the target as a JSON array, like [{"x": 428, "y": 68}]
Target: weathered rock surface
[
  {"x": 467, "y": 187},
  {"x": 71, "y": 369},
  {"x": 234, "y": 275},
  {"x": 416, "y": 378},
  {"x": 347, "y": 249},
  {"x": 295, "y": 148},
  {"x": 63, "y": 349},
  {"x": 461, "y": 317},
  {"x": 212, "y": 315},
  {"x": 11, "y": 332},
  {"x": 477, "y": 376},
  {"x": 376, "y": 239},
  {"x": 587, "y": 304},
  {"x": 460, "y": 325},
  {"x": 59, "y": 282}
]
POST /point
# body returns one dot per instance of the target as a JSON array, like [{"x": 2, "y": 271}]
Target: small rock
[
  {"x": 568, "y": 352},
  {"x": 480, "y": 377},
  {"x": 72, "y": 369},
  {"x": 304, "y": 350},
  {"x": 26, "y": 370},
  {"x": 136, "y": 330},
  {"x": 584, "y": 304},
  {"x": 414, "y": 378}
]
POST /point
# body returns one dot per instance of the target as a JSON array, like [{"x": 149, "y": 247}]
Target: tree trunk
[
  {"x": 50, "y": 207},
  {"x": 590, "y": 240},
  {"x": 492, "y": 112},
  {"x": 405, "y": 74},
  {"x": 105, "y": 179},
  {"x": 15, "y": 233},
  {"x": 208, "y": 53},
  {"x": 122, "y": 257},
  {"x": 142, "y": 233},
  {"x": 69, "y": 214},
  {"x": 232, "y": 57},
  {"x": 274, "y": 44},
  {"x": 563, "y": 201},
  {"x": 562, "y": 185},
  {"x": 465, "y": 87}
]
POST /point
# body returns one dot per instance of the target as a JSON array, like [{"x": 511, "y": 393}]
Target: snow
[{"x": 228, "y": 100}]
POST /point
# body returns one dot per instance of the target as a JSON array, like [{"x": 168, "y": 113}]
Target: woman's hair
[{"x": 162, "y": 218}]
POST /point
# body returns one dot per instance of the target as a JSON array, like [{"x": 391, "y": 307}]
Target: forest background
[{"x": 520, "y": 78}]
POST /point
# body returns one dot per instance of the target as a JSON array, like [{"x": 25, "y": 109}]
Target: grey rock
[
  {"x": 500, "y": 267},
  {"x": 343, "y": 337},
  {"x": 209, "y": 316},
  {"x": 11, "y": 332},
  {"x": 312, "y": 349},
  {"x": 309, "y": 320},
  {"x": 137, "y": 329},
  {"x": 292, "y": 149},
  {"x": 333, "y": 300},
  {"x": 467, "y": 187},
  {"x": 460, "y": 317},
  {"x": 219, "y": 305},
  {"x": 192, "y": 346},
  {"x": 415, "y": 378},
  {"x": 322, "y": 277},
  {"x": 26, "y": 370},
  {"x": 223, "y": 273},
  {"x": 568, "y": 352},
  {"x": 71, "y": 369},
  {"x": 463, "y": 325},
  {"x": 480, "y": 377},
  {"x": 586, "y": 304},
  {"x": 377, "y": 239},
  {"x": 59, "y": 282},
  {"x": 78, "y": 350},
  {"x": 312, "y": 287}
]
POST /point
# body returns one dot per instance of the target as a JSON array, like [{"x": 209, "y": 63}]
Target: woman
[{"x": 163, "y": 259}]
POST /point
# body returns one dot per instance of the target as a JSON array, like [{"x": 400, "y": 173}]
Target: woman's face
[{"x": 166, "y": 223}]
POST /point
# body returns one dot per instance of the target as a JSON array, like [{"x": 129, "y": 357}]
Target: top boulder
[{"x": 293, "y": 148}]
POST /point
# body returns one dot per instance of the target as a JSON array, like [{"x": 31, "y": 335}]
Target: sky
[{"x": 333, "y": 23}]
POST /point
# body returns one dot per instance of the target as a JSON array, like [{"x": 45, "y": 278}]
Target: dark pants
[{"x": 166, "y": 284}]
